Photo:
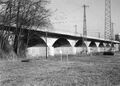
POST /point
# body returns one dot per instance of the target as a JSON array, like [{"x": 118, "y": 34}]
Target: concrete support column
[
  {"x": 98, "y": 48},
  {"x": 88, "y": 48},
  {"x": 50, "y": 42},
  {"x": 117, "y": 46},
  {"x": 72, "y": 42},
  {"x": 51, "y": 51}
]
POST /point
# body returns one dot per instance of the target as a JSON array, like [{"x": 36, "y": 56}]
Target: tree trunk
[{"x": 16, "y": 40}]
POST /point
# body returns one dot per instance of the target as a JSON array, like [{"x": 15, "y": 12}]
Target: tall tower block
[{"x": 108, "y": 31}]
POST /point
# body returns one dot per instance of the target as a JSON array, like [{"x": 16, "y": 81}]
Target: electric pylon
[
  {"x": 75, "y": 29},
  {"x": 84, "y": 22},
  {"x": 112, "y": 30},
  {"x": 84, "y": 28},
  {"x": 108, "y": 31}
]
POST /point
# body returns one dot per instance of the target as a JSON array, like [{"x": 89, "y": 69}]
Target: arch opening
[
  {"x": 80, "y": 43},
  {"x": 113, "y": 45},
  {"x": 36, "y": 47},
  {"x": 92, "y": 44},
  {"x": 61, "y": 42},
  {"x": 93, "y": 47},
  {"x": 101, "y": 47},
  {"x": 107, "y": 45},
  {"x": 36, "y": 41},
  {"x": 101, "y": 44},
  {"x": 81, "y": 47},
  {"x": 62, "y": 47}
]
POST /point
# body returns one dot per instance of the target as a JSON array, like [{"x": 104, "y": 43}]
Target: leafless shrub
[
  {"x": 6, "y": 50},
  {"x": 24, "y": 14}
]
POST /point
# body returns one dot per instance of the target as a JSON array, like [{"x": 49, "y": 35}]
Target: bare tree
[{"x": 24, "y": 14}]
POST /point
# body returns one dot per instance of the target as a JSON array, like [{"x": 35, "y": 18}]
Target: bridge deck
[{"x": 57, "y": 35}]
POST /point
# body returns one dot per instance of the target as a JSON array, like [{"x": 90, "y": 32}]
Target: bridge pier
[
  {"x": 51, "y": 50},
  {"x": 117, "y": 47},
  {"x": 97, "y": 45},
  {"x": 101, "y": 47},
  {"x": 73, "y": 42}
]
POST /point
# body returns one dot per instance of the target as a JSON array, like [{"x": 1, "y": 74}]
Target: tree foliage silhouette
[{"x": 23, "y": 14}]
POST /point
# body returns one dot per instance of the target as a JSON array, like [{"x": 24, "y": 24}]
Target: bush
[
  {"x": 108, "y": 53},
  {"x": 6, "y": 50}
]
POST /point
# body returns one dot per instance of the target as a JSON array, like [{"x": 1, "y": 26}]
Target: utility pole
[
  {"x": 75, "y": 29},
  {"x": 46, "y": 42},
  {"x": 98, "y": 34}
]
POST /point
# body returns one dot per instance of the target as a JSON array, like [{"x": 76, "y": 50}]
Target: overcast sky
[{"x": 69, "y": 13}]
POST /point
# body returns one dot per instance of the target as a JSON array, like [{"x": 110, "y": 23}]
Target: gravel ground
[{"x": 77, "y": 71}]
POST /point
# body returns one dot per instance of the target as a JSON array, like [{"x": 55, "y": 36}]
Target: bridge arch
[
  {"x": 62, "y": 47},
  {"x": 61, "y": 42},
  {"x": 80, "y": 43},
  {"x": 113, "y": 44},
  {"x": 35, "y": 40},
  {"x": 101, "y": 47},
  {"x": 36, "y": 47},
  {"x": 93, "y": 47},
  {"x": 107, "y": 45},
  {"x": 81, "y": 47},
  {"x": 92, "y": 44},
  {"x": 101, "y": 44}
]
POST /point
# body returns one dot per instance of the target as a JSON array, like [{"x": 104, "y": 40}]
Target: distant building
[{"x": 117, "y": 37}]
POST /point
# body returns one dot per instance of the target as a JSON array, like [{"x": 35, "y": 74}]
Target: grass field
[{"x": 76, "y": 71}]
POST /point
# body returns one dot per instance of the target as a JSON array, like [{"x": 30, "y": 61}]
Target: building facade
[{"x": 117, "y": 38}]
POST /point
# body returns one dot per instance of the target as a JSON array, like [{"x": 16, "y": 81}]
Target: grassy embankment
[{"x": 78, "y": 71}]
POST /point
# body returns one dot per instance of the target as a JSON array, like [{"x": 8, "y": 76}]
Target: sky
[{"x": 68, "y": 13}]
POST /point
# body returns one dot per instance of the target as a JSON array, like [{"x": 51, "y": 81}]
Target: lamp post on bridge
[{"x": 75, "y": 29}]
